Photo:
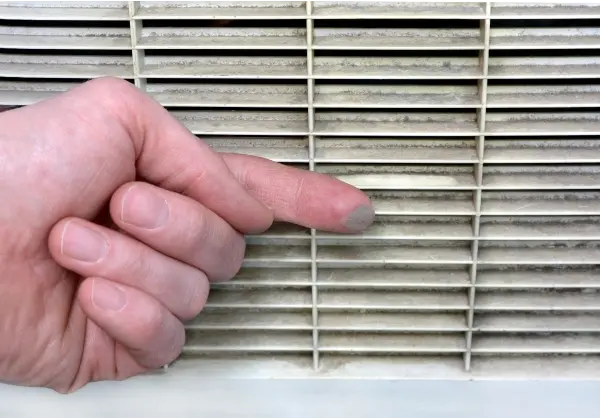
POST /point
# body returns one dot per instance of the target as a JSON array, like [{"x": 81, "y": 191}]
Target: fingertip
[
  {"x": 351, "y": 210},
  {"x": 360, "y": 218},
  {"x": 330, "y": 204}
]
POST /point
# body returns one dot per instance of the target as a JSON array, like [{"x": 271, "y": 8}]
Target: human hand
[{"x": 113, "y": 220}]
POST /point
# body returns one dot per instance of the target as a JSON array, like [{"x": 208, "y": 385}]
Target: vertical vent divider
[
  {"x": 481, "y": 113},
  {"x": 311, "y": 162},
  {"x": 137, "y": 54}
]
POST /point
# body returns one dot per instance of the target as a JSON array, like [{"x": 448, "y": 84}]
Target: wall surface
[{"x": 181, "y": 395}]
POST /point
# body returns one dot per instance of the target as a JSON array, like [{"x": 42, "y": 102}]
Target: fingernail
[
  {"x": 144, "y": 209},
  {"x": 82, "y": 243},
  {"x": 361, "y": 218},
  {"x": 107, "y": 296}
]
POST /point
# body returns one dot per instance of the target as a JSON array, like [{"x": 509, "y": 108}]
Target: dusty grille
[{"x": 474, "y": 127}]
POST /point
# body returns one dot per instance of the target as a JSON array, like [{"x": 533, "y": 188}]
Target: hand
[{"x": 113, "y": 220}]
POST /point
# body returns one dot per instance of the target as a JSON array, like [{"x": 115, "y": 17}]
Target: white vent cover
[{"x": 475, "y": 128}]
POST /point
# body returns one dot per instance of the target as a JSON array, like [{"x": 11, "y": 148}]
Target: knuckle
[
  {"x": 195, "y": 230},
  {"x": 299, "y": 196},
  {"x": 195, "y": 297},
  {"x": 164, "y": 352},
  {"x": 232, "y": 252},
  {"x": 113, "y": 94},
  {"x": 213, "y": 246},
  {"x": 173, "y": 347},
  {"x": 192, "y": 177},
  {"x": 109, "y": 86},
  {"x": 177, "y": 345},
  {"x": 140, "y": 263},
  {"x": 150, "y": 326}
]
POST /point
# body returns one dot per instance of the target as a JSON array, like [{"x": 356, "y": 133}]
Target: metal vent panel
[{"x": 473, "y": 127}]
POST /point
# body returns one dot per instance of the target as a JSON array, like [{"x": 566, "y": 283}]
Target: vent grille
[{"x": 474, "y": 127}]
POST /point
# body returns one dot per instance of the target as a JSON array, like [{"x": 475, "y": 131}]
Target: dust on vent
[{"x": 474, "y": 127}]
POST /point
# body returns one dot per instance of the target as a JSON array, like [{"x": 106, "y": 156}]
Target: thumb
[{"x": 89, "y": 141}]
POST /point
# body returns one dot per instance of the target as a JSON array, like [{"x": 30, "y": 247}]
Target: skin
[{"x": 113, "y": 221}]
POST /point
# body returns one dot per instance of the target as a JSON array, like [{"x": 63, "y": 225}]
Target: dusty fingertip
[{"x": 360, "y": 218}]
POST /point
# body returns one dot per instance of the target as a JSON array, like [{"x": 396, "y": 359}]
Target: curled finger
[
  {"x": 179, "y": 227},
  {"x": 92, "y": 250},
  {"x": 151, "y": 334}
]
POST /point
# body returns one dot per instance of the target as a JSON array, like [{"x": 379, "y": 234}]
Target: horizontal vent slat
[
  {"x": 538, "y": 279},
  {"x": 544, "y": 10},
  {"x": 220, "y": 10},
  {"x": 210, "y": 38},
  {"x": 365, "y": 96},
  {"x": 396, "y": 322},
  {"x": 538, "y": 301},
  {"x": 228, "y": 95},
  {"x": 537, "y": 344},
  {"x": 65, "y": 67},
  {"x": 86, "y": 39},
  {"x": 543, "y": 323},
  {"x": 66, "y": 11},
  {"x": 427, "y": 277},
  {"x": 382, "y": 343},
  {"x": 392, "y": 10},
  {"x": 243, "y": 123},
  {"x": 422, "y": 202},
  {"x": 544, "y": 38},
  {"x": 396, "y": 39},
  {"x": 540, "y": 203}
]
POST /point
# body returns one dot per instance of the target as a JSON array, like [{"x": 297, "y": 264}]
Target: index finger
[{"x": 303, "y": 197}]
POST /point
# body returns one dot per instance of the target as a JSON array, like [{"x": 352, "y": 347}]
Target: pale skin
[{"x": 113, "y": 221}]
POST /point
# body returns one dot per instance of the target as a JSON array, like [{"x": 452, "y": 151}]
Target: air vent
[{"x": 474, "y": 127}]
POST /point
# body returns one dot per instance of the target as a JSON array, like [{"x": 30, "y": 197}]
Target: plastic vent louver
[{"x": 474, "y": 127}]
